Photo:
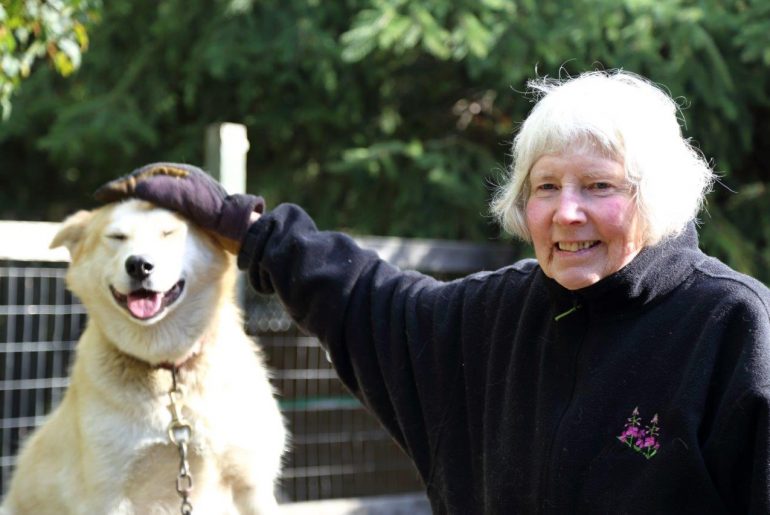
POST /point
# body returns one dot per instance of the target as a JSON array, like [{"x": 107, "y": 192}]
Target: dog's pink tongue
[{"x": 144, "y": 304}]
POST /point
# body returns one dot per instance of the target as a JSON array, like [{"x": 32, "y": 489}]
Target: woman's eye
[
  {"x": 167, "y": 233},
  {"x": 546, "y": 187},
  {"x": 601, "y": 186},
  {"x": 117, "y": 236}
]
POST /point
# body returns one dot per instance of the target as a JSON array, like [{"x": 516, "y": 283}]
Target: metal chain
[{"x": 180, "y": 434}]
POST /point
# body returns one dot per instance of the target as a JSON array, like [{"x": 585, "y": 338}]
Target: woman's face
[{"x": 582, "y": 217}]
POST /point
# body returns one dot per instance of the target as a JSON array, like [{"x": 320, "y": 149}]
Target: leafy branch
[{"x": 54, "y": 30}]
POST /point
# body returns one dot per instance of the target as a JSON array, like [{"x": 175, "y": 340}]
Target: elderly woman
[{"x": 622, "y": 371}]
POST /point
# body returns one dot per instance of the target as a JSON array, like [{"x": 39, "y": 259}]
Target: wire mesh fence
[
  {"x": 40, "y": 322},
  {"x": 337, "y": 448}
]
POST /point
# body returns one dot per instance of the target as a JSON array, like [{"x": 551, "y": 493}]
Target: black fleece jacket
[{"x": 646, "y": 392}]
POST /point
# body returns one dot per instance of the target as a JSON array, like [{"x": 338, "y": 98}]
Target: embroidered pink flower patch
[{"x": 643, "y": 440}]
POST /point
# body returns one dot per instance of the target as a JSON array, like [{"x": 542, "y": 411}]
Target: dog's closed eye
[{"x": 117, "y": 236}]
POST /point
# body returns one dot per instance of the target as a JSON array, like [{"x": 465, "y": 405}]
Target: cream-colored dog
[{"x": 160, "y": 295}]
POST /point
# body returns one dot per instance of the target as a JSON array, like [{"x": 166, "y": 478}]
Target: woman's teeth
[{"x": 574, "y": 246}]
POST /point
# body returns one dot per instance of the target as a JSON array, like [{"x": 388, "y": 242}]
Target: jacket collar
[{"x": 653, "y": 273}]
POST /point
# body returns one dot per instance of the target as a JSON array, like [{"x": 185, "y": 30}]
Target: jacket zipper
[{"x": 546, "y": 504}]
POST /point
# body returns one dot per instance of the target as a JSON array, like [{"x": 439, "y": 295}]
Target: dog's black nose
[{"x": 139, "y": 267}]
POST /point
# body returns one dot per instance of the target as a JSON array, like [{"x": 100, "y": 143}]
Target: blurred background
[
  {"x": 380, "y": 117},
  {"x": 386, "y": 117}
]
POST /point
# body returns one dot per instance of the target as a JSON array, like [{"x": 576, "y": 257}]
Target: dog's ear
[{"x": 72, "y": 231}]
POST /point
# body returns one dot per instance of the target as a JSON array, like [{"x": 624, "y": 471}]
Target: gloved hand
[{"x": 192, "y": 193}]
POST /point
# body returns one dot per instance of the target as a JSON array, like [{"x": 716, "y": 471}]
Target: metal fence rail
[{"x": 338, "y": 450}]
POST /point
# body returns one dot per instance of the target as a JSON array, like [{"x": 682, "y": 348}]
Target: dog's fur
[{"x": 105, "y": 449}]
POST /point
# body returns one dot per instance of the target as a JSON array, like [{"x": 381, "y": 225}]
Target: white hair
[{"x": 624, "y": 117}]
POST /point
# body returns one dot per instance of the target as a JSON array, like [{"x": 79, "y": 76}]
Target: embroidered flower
[{"x": 642, "y": 440}]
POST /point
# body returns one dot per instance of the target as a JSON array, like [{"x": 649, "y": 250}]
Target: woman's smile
[{"x": 575, "y": 246}]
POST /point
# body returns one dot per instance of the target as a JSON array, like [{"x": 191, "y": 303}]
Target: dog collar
[{"x": 168, "y": 365}]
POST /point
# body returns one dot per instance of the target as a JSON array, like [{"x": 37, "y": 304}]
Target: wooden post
[
  {"x": 225, "y": 155},
  {"x": 225, "y": 148}
]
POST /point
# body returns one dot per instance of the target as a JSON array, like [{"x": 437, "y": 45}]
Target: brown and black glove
[{"x": 191, "y": 192}]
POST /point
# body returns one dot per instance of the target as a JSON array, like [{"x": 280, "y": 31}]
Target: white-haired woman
[{"x": 622, "y": 371}]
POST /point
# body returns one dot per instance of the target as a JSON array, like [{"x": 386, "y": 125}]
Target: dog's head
[{"x": 143, "y": 272}]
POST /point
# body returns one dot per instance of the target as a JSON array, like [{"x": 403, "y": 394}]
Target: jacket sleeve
[
  {"x": 392, "y": 335},
  {"x": 737, "y": 450}
]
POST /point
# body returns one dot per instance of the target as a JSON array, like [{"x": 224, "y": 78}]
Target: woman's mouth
[{"x": 575, "y": 246}]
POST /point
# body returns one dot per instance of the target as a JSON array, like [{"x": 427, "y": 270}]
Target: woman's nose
[{"x": 569, "y": 208}]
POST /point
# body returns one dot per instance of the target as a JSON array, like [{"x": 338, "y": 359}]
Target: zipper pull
[{"x": 568, "y": 312}]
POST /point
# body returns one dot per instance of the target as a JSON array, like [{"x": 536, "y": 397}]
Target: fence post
[
  {"x": 226, "y": 147},
  {"x": 225, "y": 152}
]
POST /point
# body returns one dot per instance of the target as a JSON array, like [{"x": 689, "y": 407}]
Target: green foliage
[
  {"x": 32, "y": 29},
  {"x": 385, "y": 116}
]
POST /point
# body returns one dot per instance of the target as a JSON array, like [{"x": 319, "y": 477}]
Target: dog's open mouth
[{"x": 145, "y": 304}]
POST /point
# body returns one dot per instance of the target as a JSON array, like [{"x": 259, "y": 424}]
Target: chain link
[{"x": 180, "y": 434}]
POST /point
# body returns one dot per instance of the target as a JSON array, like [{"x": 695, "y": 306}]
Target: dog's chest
[
  {"x": 152, "y": 478},
  {"x": 149, "y": 463}
]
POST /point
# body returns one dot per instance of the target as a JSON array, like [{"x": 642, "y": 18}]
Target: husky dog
[{"x": 159, "y": 293}]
